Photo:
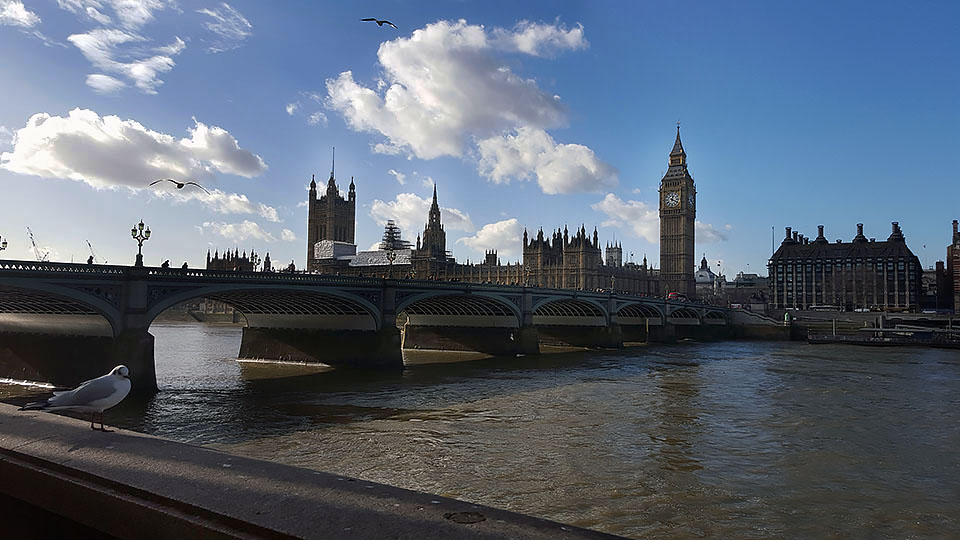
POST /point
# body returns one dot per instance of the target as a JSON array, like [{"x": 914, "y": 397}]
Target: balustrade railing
[{"x": 21, "y": 268}]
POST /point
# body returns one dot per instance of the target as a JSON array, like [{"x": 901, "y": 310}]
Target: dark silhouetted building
[
  {"x": 331, "y": 217},
  {"x": 953, "y": 268},
  {"x": 861, "y": 274},
  {"x": 678, "y": 213}
]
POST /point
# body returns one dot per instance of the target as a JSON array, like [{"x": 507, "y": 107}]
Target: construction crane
[
  {"x": 94, "y": 255},
  {"x": 41, "y": 256}
]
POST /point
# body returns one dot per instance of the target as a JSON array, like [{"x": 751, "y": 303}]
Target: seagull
[
  {"x": 93, "y": 396},
  {"x": 379, "y": 22},
  {"x": 180, "y": 184}
]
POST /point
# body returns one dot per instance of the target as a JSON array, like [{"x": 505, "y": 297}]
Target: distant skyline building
[
  {"x": 562, "y": 261},
  {"x": 863, "y": 273},
  {"x": 678, "y": 214},
  {"x": 953, "y": 267},
  {"x": 331, "y": 217}
]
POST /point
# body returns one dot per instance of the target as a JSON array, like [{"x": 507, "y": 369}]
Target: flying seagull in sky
[
  {"x": 93, "y": 396},
  {"x": 379, "y": 22},
  {"x": 180, "y": 184}
]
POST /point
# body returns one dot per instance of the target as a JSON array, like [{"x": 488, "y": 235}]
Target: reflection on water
[{"x": 753, "y": 440}]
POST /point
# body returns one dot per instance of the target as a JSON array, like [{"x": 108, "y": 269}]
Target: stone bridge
[{"x": 66, "y": 322}]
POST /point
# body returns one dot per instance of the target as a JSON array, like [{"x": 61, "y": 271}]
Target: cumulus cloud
[
  {"x": 641, "y": 218},
  {"x": 706, "y": 233},
  {"x": 401, "y": 178},
  {"x": 14, "y": 13},
  {"x": 287, "y": 235},
  {"x": 107, "y": 49},
  {"x": 410, "y": 213},
  {"x": 109, "y": 152},
  {"x": 446, "y": 87},
  {"x": 239, "y": 232},
  {"x": 292, "y": 108},
  {"x": 6, "y": 136},
  {"x": 559, "y": 168},
  {"x": 503, "y": 236},
  {"x": 317, "y": 118},
  {"x": 229, "y": 25},
  {"x": 539, "y": 39}
]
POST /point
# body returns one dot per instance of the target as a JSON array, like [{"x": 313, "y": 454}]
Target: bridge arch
[
  {"x": 569, "y": 312},
  {"x": 269, "y": 306},
  {"x": 446, "y": 308},
  {"x": 715, "y": 317},
  {"x": 684, "y": 316},
  {"x": 639, "y": 314},
  {"x": 84, "y": 307}
]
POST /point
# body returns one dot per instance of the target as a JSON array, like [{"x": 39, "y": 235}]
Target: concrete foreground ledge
[{"x": 130, "y": 485}]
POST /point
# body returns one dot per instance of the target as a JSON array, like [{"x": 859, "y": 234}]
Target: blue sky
[{"x": 524, "y": 114}]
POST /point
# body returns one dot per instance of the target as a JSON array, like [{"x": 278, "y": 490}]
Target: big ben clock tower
[{"x": 678, "y": 212}]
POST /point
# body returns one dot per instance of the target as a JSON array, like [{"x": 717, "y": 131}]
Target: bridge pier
[
  {"x": 498, "y": 341},
  {"x": 66, "y": 360},
  {"x": 379, "y": 349},
  {"x": 134, "y": 349},
  {"x": 594, "y": 337}
]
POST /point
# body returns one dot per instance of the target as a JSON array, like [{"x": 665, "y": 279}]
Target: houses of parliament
[{"x": 560, "y": 258}]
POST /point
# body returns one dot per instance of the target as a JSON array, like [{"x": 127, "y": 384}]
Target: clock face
[
  {"x": 690, "y": 200},
  {"x": 672, "y": 199}
]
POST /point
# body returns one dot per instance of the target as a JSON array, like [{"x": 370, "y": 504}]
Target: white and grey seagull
[{"x": 93, "y": 396}]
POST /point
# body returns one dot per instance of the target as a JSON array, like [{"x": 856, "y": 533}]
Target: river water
[{"x": 729, "y": 439}]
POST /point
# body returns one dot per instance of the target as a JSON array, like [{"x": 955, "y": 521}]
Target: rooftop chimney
[
  {"x": 859, "y": 229},
  {"x": 954, "y": 230},
  {"x": 819, "y": 231},
  {"x": 795, "y": 234}
]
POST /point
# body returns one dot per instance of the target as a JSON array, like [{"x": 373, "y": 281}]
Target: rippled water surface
[{"x": 731, "y": 439}]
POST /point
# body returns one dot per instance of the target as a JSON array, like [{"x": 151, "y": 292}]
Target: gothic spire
[{"x": 677, "y": 155}]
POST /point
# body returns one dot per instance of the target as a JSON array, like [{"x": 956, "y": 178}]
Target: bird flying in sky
[
  {"x": 379, "y": 22},
  {"x": 180, "y": 184}
]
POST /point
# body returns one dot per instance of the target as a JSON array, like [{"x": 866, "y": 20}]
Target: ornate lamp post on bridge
[
  {"x": 141, "y": 235},
  {"x": 391, "y": 256}
]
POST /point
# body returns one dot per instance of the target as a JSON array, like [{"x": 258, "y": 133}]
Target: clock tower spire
[{"x": 678, "y": 213}]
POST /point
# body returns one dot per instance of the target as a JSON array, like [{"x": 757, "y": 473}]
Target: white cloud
[
  {"x": 239, "y": 232},
  {"x": 230, "y": 26},
  {"x": 218, "y": 201},
  {"x": 410, "y": 213},
  {"x": 401, "y": 178},
  {"x": 642, "y": 218},
  {"x": 104, "y": 84},
  {"x": 302, "y": 204},
  {"x": 14, "y": 13},
  {"x": 6, "y": 136},
  {"x": 559, "y": 168},
  {"x": 539, "y": 39},
  {"x": 503, "y": 236},
  {"x": 108, "y": 152},
  {"x": 427, "y": 182},
  {"x": 131, "y": 14},
  {"x": 317, "y": 118},
  {"x": 292, "y": 108},
  {"x": 706, "y": 233},
  {"x": 287, "y": 235},
  {"x": 446, "y": 87},
  {"x": 105, "y": 49}
]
